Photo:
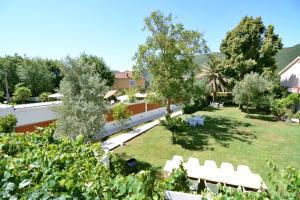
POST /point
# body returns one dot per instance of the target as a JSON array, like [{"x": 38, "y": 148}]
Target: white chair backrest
[
  {"x": 193, "y": 162},
  {"x": 243, "y": 169},
  {"x": 210, "y": 164},
  {"x": 177, "y": 159},
  {"x": 227, "y": 167}
]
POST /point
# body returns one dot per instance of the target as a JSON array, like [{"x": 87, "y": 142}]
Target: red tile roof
[{"x": 126, "y": 74}]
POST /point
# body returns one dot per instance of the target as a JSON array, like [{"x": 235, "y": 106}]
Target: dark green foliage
[
  {"x": 100, "y": 66},
  {"x": 250, "y": 47},
  {"x": 1, "y": 95},
  {"x": 35, "y": 75},
  {"x": 178, "y": 180},
  {"x": 175, "y": 125},
  {"x": 8, "y": 123},
  {"x": 21, "y": 94}
]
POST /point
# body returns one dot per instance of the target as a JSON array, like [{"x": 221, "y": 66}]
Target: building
[
  {"x": 290, "y": 76},
  {"x": 125, "y": 80}
]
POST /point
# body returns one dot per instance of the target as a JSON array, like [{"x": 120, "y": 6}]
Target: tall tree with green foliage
[
  {"x": 83, "y": 105},
  {"x": 168, "y": 55},
  {"x": 253, "y": 90},
  {"x": 8, "y": 73},
  {"x": 100, "y": 66},
  {"x": 250, "y": 47},
  {"x": 34, "y": 74},
  {"x": 213, "y": 72}
]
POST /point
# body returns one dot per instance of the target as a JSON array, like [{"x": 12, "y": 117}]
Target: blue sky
[{"x": 113, "y": 29}]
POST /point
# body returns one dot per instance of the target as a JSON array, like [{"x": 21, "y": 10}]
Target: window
[{"x": 131, "y": 83}]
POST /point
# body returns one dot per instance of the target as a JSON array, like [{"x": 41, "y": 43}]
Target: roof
[
  {"x": 110, "y": 93},
  {"x": 126, "y": 74},
  {"x": 289, "y": 65},
  {"x": 171, "y": 195}
]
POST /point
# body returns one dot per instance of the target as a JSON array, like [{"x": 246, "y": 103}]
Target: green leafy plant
[
  {"x": 178, "y": 180},
  {"x": 121, "y": 113},
  {"x": 8, "y": 123},
  {"x": 131, "y": 94},
  {"x": 44, "y": 96},
  {"x": 175, "y": 125},
  {"x": 21, "y": 94}
]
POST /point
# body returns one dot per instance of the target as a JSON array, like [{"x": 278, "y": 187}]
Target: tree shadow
[
  {"x": 263, "y": 117},
  {"x": 141, "y": 165},
  {"x": 223, "y": 130},
  {"x": 259, "y": 114}
]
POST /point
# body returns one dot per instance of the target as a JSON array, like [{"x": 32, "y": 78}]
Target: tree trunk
[
  {"x": 214, "y": 96},
  {"x": 6, "y": 88},
  {"x": 247, "y": 110},
  {"x": 168, "y": 106}
]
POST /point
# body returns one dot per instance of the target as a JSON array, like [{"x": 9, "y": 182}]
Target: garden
[{"x": 254, "y": 122}]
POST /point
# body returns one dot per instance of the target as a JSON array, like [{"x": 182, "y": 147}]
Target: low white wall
[{"x": 30, "y": 113}]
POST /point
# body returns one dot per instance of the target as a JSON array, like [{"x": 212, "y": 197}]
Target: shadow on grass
[
  {"x": 263, "y": 117},
  {"x": 223, "y": 130},
  {"x": 259, "y": 114},
  {"x": 141, "y": 165}
]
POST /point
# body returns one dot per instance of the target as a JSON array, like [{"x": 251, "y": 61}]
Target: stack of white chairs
[{"x": 212, "y": 175}]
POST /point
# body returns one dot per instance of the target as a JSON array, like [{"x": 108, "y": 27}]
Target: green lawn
[{"x": 227, "y": 136}]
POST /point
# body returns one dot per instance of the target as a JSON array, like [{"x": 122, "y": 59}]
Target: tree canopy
[
  {"x": 168, "y": 55},
  {"x": 253, "y": 90},
  {"x": 250, "y": 46},
  {"x": 83, "y": 105}
]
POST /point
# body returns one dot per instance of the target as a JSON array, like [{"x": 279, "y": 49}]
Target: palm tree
[{"x": 212, "y": 71}]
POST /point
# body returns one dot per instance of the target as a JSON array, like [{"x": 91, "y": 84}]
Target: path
[{"x": 119, "y": 140}]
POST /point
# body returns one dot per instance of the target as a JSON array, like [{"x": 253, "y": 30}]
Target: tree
[
  {"x": 35, "y": 75},
  {"x": 8, "y": 73},
  {"x": 250, "y": 46},
  {"x": 212, "y": 71},
  {"x": 252, "y": 90},
  {"x": 168, "y": 55},
  {"x": 121, "y": 113},
  {"x": 22, "y": 94},
  {"x": 100, "y": 66},
  {"x": 54, "y": 67},
  {"x": 83, "y": 105}
]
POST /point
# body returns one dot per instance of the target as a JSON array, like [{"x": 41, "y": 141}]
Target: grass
[{"x": 228, "y": 136}]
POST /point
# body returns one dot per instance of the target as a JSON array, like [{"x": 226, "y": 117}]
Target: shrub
[
  {"x": 44, "y": 96},
  {"x": 178, "y": 180},
  {"x": 8, "y": 123},
  {"x": 121, "y": 113},
  {"x": 130, "y": 92},
  {"x": 21, "y": 94},
  {"x": 175, "y": 125}
]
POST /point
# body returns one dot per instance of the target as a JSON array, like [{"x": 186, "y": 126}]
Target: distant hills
[{"x": 283, "y": 57}]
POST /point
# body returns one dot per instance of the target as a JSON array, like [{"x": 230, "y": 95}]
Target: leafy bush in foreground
[
  {"x": 35, "y": 166},
  {"x": 8, "y": 123}
]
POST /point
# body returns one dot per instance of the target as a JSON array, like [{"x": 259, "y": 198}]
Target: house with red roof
[{"x": 125, "y": 80}]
